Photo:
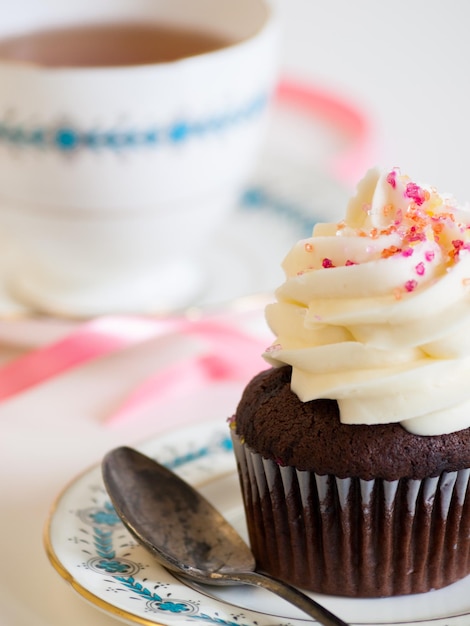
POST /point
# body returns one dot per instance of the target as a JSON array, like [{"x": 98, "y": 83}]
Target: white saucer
[
  {"x": 90, "y": 548},
  {"x": 274, "y": 212}
]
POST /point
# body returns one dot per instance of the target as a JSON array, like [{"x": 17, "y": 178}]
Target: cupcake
[{"x": 353, "y": 448}]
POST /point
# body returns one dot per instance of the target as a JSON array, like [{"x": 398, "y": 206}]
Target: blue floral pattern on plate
[
  {"x": 90, "y": 548},
  {"x": 95, "y": 545}
]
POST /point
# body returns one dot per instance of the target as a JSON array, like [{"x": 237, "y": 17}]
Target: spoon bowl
[{"x": 185, "y": 533}]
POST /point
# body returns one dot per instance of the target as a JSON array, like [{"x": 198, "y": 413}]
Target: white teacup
[{"x": 112, "y": 178}]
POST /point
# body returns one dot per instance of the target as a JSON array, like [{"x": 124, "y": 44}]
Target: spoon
[{"x": 185, "y": 533}]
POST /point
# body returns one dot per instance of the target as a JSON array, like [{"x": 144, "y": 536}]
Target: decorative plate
[{"x": 91, "y": 549}]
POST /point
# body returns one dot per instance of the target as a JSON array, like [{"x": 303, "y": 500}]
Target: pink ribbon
[
  {"x": 349, "y": 164},
  {"x": 91, "y": 340},
  {"x": 230, "y": 354}
]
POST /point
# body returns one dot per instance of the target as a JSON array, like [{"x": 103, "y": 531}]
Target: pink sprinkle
[
  {"x": 398, "y": 217},
  {"x": 429, "y": 255},
  {"x": 420, "y": 269},
  {"x": 410, "y": 285},
  {"x": 415, "y": 193},
  {"x": 327, "y": 263},
  {"x": 392, "y": 179},
  {"x": 274, "y": 348},
  {"x": 416, "y": 235},
  {"x": 457, "y": 243},
  {"x": 407, "y": 252},
  {"x": 349, "y": 262}
]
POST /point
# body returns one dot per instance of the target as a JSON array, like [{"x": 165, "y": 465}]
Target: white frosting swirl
[{"x": 375, "y": 310}]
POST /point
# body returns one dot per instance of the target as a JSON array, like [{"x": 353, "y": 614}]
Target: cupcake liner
[{"x": 352, "y": 537}]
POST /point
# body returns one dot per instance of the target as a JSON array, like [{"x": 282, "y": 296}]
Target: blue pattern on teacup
[{"x": 68, "y": 137}]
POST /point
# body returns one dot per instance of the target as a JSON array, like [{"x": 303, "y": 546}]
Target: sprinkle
[
  {"x": 420, "y": 269},
  {"x": 415, "y": 234},
  {"x": 326, "y": 263},
  {"x": 458, "y": 245},
  {"x": 415, "y": 193},
  {"x": 410, "y": 285},
  {"x": 417, "y": 216},
  {"x": 429, "y": 255},
  {"x": 437, "y": 227},
  {"x": 388, "y": 231},
  {"x": 349, "y": 262},
  {"x": 407, "y": 252},
  {"x": 392, "y": 179},
  {"x": 449, "y": 216},
  {"x": 390, "y": 251},
  {"x": 308, "y": 247},
  {"x": 398, "y": 217}
]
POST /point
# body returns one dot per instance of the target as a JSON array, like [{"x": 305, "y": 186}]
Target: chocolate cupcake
[{"x": 354, "y": 449}]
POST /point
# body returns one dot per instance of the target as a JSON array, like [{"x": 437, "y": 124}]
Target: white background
[{"x": 406, "y": 63}]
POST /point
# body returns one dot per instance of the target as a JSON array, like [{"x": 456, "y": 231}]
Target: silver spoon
[{"x": 185, "y": 533}]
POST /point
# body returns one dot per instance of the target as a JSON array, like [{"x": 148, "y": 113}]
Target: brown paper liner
[{"x": 352, "y": 537}]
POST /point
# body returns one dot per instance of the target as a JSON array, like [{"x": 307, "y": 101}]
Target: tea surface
[{"x": 107, "y": 45}]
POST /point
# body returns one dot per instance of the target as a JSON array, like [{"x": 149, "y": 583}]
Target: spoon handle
[{"x": 292, "y": 595}]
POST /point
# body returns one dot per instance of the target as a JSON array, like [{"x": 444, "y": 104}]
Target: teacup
[{"x": 116, "y": 170}]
